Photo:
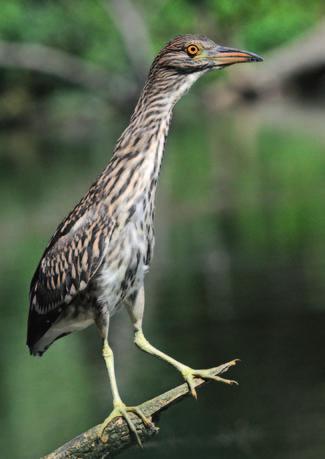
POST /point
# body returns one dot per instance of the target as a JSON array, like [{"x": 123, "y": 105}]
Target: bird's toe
[
  {"x": 121, "y": 410},
  {"x": 190, "y": 374}
]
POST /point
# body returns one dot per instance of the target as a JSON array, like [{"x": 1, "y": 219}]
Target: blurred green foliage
[
  {"x": 85, "y": 28},
  {"x": 88, "y": 29}
]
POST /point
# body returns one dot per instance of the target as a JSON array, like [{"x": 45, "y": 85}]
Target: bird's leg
[
  {"x": 136, "y": 310},
  {"x": 187, "y": 372},
  {"x": 119, "y": 408}
]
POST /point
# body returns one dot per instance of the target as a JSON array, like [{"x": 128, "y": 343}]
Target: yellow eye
[{"x": 192, "y": 50}]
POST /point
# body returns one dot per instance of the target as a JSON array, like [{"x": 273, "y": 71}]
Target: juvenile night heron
[{"x": 99, "y": 255}]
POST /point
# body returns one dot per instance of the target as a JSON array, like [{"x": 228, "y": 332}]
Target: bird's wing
[{"x": 70, "y": 262}]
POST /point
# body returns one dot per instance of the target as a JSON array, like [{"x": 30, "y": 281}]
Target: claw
[
  {"x": 146, "y": 421},
  {"x": 121, "y": 410},
  {"x": 190, "y": 383},
  {"x": 188, "y": 375},
  {"x": 225, "y": 366},
  {"x": 231, "y": 382},
  {"x": 233, "y": 362}
]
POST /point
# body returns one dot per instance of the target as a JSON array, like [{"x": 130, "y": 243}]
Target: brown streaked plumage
[{"x": 99, "y": 254}]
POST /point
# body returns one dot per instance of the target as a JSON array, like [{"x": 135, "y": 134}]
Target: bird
[{"x": 99, "y": 255}]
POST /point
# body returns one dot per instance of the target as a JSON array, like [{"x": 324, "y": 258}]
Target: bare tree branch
[
  {"x": 88, "y": 445},
  {"x": 282, "y": 67},
  {"x": 134, "y": 33},
  {"x": 45, "y": 59}
]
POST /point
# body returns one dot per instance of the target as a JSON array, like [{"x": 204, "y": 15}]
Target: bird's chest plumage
[
  {"x": 126, "y": 261},
  {"x": 131, "y": 245}
]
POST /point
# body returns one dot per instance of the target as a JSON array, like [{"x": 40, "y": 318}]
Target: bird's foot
[
  {"x": 189, "y": 375},
  {"x": 121, "y": 410}
]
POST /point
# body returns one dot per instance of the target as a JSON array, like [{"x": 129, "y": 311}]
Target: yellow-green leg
[
  {"x": 136, "y": 309},
  {"x": 119, "y": 408},
  {"x": 188, "y": 373}
]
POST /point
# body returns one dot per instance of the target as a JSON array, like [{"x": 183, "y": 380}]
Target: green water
[{"x": 239, "y": 271}]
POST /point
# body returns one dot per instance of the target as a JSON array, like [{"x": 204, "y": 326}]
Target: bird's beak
[{"x": 227, "y": 56}]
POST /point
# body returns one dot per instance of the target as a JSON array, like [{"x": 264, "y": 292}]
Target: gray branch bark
[
  {"x": 134, "y": 34},
  {"x": 88, "y": 445}
]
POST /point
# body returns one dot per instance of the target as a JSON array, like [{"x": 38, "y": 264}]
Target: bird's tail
[{"x": 40, "y": 331}]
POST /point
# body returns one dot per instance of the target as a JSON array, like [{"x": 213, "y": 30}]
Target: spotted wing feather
[{"x": 65, "y": 270}]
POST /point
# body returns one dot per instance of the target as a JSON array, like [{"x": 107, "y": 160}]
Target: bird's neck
[{"x": 139, "y": 151}]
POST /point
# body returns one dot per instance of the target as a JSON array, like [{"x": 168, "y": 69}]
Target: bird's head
[
  {"x": 188, "y": 54},
  {"x": 182, "y": 61}
]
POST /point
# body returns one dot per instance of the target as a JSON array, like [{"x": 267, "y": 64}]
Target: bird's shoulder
[{"x": 90, "y": 207}]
